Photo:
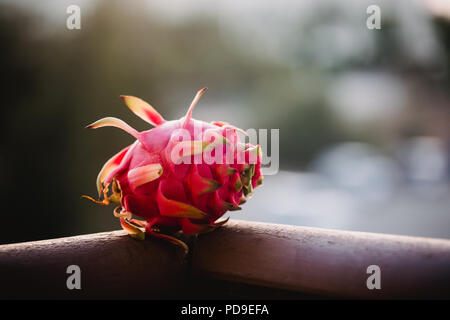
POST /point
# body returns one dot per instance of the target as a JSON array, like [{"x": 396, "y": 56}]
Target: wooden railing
[{"x": 239, "y": 260}]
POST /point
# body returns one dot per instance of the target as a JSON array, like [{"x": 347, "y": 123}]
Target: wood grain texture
[
  {"x": 113, "y": 265},
  {"x": 329, "y": 263},
  {"x": 241, "y": 259}
]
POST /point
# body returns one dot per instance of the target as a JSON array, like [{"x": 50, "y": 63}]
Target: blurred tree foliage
[{"x": 55, "y": 83}]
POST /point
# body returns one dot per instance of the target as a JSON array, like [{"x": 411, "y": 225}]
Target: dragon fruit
[{"x": 182, "y": 175}]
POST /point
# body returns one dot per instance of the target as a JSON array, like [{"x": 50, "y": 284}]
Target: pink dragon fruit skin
[{"x": 165, "y": 179}]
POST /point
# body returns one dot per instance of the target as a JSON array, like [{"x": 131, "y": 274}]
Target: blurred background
[{"x": 363, "y": 114}]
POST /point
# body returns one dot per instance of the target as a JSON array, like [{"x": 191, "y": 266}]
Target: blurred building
[{"x": 363, "y": 114}]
